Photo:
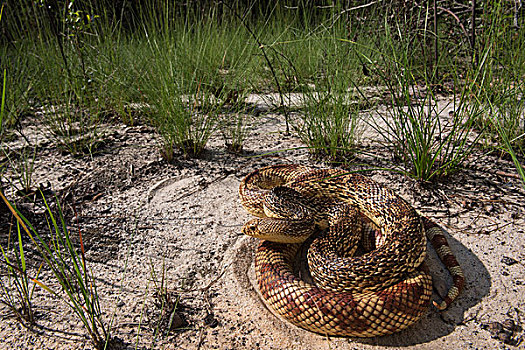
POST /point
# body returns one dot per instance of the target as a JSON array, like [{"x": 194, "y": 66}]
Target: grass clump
[
  {"x": 22, "y": 165},
  {"x": 16, "y": 286},
  {"x": 195, "y": 72},
  {"x": 235, "y": 129},
  {"x": 75, "y": 125},
  {"x": 428, "y": 145},
  {"x": 183, "y": 122},
  {"x": 500, "y": 88},
  {"x": 67, "y": 263},
  {"x": 329, "y": 122},
  {"x": 498, "y": 92},
  {"x": 502, "y": 112}
]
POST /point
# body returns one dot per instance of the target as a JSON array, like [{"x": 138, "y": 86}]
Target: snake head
[
  {"x": 251, "y": 228},
  {"x": 279, "y": 230}
]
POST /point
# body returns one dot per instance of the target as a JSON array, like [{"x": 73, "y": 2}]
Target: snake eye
[{"x": 250, "y": 228}]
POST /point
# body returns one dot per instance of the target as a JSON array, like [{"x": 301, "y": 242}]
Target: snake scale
[{"x": 367, "y": 263}]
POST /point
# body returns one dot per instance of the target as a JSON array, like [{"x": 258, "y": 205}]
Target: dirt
[{"x": 140, "y": 215}]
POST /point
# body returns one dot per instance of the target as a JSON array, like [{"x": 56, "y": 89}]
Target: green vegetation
[
  {"x": 427, "y": 144},
  {"x": 329, "y": 120},
  {"x": 67, "y": 263},
  {"x": 18, "y": 287},
  {"x": 84, "y": 65},
  {"x": 75, "y": 67}
]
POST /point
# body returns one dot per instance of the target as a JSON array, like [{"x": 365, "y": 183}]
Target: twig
[
  {"x": 457, "y": 20},
  {"x": 502, "y": 173},
  {"x": 358, "y": 7}
]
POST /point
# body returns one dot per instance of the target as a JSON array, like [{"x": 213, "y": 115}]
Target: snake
[{"x": 367, "y": 262}]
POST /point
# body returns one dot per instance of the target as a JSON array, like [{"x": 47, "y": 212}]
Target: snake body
[{"x": 381, "y": 291}]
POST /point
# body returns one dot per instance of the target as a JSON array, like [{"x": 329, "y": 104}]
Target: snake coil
[{"x": 382, "y": 290}]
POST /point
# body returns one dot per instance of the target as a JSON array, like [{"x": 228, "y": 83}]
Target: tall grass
[
  {"x": 16, "y": 287},
  {"x": 428, "y": 145},
  {"x": 85, "y": 66},
  {"x": 194, "y": 72},
  {"x": 182, "y": 111},
  {"x": 502, "y": 69},
  {"x": 499, "y": 90}
]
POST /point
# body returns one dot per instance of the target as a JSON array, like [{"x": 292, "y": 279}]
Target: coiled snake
[{"x": 368, "y": 264}]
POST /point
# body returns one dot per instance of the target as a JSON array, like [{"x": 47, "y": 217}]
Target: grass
[
  {"x": 235, "y": 129},
  {"x": 17, "y": 289},
  {"x": 79, "y": 68},
  {"x": 502, "y": 112},
  {"x": 183, "y": 123},
  {"x": 2, "y": 108},
  {"x": 501, "y": 87},
  {"x": 498, "y": 90},
  {"x": 166, "y": 302},
  {"x": 428, "y": 145},
  {"x": 329, "y": 122},
  {"x": 67, "y": 263},
  {"x": 22, "y": 165}
]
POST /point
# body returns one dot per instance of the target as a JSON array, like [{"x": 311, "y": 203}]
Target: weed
[
  {"x": 235, "y": 122},
  {"x": 75, "y": 128},
  {"x": 183, "y": 110},
  {"x": 234, "y": 129},
  {"x": 22, "y": 164},
  {"x": 502, "y": 113},
  {"x": 184, "y": 124},
  {"x": 507, "y": 145},
  {"x": 499, "y": 89}
]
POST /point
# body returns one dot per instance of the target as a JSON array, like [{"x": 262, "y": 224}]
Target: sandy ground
[{"x": 139, "y": 214}]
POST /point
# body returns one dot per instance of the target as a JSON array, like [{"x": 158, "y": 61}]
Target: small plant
[
  {"x": 165, "y": 301},
  {"x": 183, "y": 112},
  {"x": 22, "y": 164},
  {"x": 500, "y": 88},
  {"x": 72, "y": 112},
  {"x": 16, "y": 287},
  {"x": 69, "y": 268},
  {"x": 503, "y": 114},
  {"x": 75, "y": 127},
  {"x": 235, "y": 127},
  {"x": 507, "y": 146},
  {"x": 184, "y": 123},
  {"x": 235, "y": 122},
  {"x": 328, "y": 123}
]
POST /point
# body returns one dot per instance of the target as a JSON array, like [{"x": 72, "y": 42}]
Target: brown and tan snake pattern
[{"x": 383, "y": 288}]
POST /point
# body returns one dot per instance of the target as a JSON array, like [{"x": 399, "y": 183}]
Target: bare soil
[{"x": 139, "y": 214}]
